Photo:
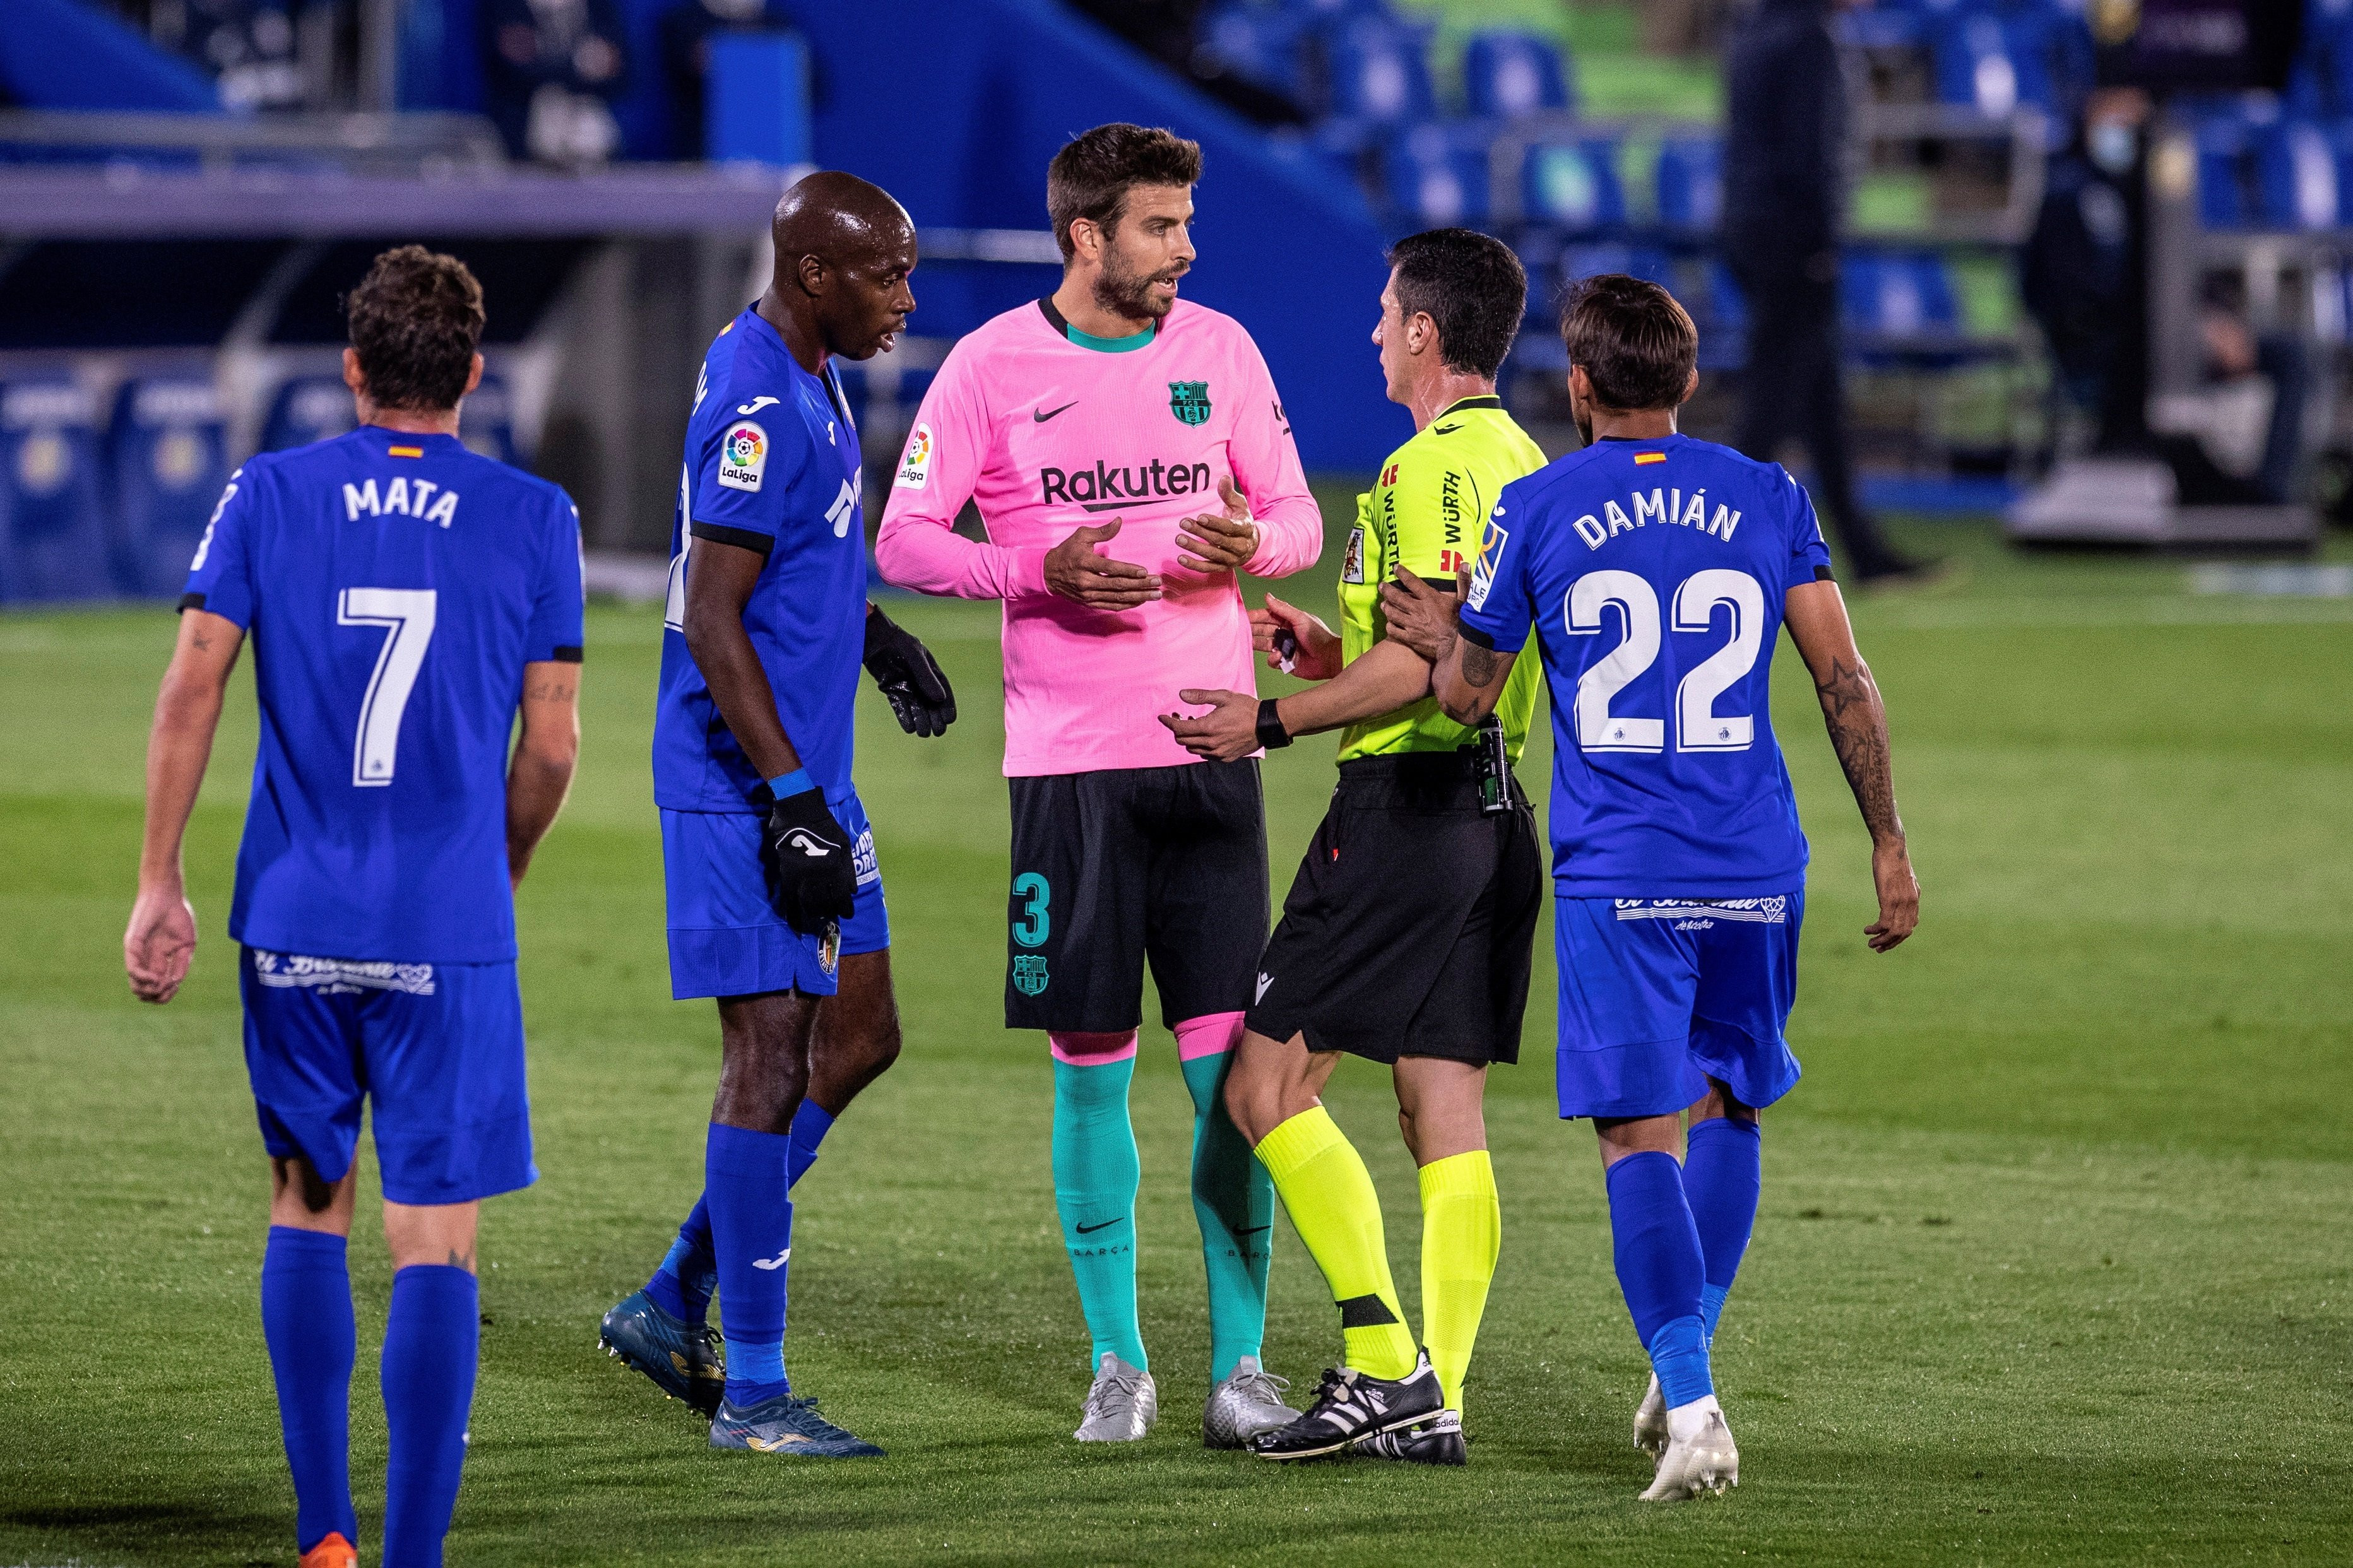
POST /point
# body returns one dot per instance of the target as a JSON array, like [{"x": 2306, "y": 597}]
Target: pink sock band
[
  {"x": 1093, "y": 1050},
  {"x": 1208, "y": 1034}
]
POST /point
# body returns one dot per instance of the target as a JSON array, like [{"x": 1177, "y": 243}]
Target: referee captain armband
[
  {"x": 1272, "y": 735},
  {"x": 786, "y": 785}
]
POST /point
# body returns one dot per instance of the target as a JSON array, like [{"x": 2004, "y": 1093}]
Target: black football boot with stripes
[{"x": 1350, "y": 1406}]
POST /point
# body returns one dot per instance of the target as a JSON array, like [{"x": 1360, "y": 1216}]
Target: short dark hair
[
  {"x": 416, "y": 322},
  {"x": 1471, "y": 285},
  {"x": 1636, "y": 342},
  {"x": 1090, "y": 176}
]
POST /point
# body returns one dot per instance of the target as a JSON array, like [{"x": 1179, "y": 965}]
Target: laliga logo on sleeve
[
  {"x": 916, "y": 471},
  {"x": 743, "y": 456},
  {"x": 1490, "y": 551}
]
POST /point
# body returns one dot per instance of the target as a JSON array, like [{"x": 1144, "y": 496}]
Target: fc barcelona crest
[
  {"x": 1030, "y": 972},
  {"x": 1190, "y": 401}
]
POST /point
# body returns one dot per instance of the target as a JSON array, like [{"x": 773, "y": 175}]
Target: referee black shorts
[
  {"x": 1411, "y": 926},
  {"x": 1122, "y": 864}
]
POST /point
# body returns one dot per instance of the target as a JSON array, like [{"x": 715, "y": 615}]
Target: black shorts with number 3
[
  {"x": 1115, "y": 865},
  {"x": 1411, "y": 925}
]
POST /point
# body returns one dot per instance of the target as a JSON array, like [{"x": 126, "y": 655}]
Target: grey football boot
[
  {"x": 1707, "y": 1461},
  {"x": 1249, "y": 1402},
  {"x": 1122, "y": 1405},
  {"x": 1651, "y": 1422}
]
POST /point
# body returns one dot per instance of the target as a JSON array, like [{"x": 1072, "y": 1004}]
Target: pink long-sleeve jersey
[{"x": 1044, "y": 436}]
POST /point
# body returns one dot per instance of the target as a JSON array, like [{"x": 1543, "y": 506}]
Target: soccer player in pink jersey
[{"x": 1114, "y": 412}]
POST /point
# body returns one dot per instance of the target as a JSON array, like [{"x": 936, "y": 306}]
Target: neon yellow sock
[
  {"x": 1329, "y": 1195},
  {"x": 1462, "y": 1231}
]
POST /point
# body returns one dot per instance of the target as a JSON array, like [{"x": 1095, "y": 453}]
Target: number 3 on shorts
[{"x": 1035, "y": 924}]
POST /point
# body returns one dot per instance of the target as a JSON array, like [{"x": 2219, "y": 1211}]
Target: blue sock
[
  {"x": 689, "y": 1272},
  {"x": 682, "y": 1285},
  {"x": 1660, "y": 1270},
  {"x": 747, "y": 1176},
  {"x": 431, "y": 1337},
  {"x": 306, "y": 1319},
  {"x": 1723, "y": 1171},
  {"x": 1095, "y": 1176},
  {"x": 811, "y": 1123}
]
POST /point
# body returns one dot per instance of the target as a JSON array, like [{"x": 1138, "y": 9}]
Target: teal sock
[
  {"x": 1095, "y": 1177},
  {"x": 1234, "y": 1197}
]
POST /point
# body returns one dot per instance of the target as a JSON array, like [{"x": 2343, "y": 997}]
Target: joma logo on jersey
[
  {"x": 1660, "y": 506},
  {"x": 1106, "y": 488},
  {"x": 403, "y": 495}
]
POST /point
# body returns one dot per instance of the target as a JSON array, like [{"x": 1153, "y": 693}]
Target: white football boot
[
  {"x": 1651, "y": 1422},
  {"x": 1122, "y": 1405},
  {"x": 1706, "y": 1461},
  {"x": 1249, "y": 1402}
]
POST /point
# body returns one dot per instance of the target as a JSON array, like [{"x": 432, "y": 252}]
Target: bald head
[
  {"x": 844, "y": 250},
  {"x": 841, "y": 220}
]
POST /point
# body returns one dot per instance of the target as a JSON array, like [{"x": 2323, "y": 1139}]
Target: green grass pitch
[{"x": 2053, "y": 1261}]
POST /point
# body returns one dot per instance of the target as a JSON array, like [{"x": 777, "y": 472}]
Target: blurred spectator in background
[
  {"x": 685, "y": 30},
  {"x": 2238, "y": 440},
  {"x": 555, "y": 68},
  {"x": 1785, "y": 177}
]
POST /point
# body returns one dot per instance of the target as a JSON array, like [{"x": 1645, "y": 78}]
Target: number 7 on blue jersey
[{"x": 408, "y": 613}]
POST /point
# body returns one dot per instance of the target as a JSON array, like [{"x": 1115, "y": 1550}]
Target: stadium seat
[
  {"x": 1262, "y": 45},
  {"x": 1379, "y": 73},
  {"x": 166, "y": 461},
  {"x": 52, "y": 519},
  {"x": 1573, "y": 183},
  {"x": 1994, "y": 62},
  {"x": 1437, "y": 174},
  {"x": 1507, "y": 74},
  {"x": 2296, "y": 177},
  {"x": 2225, "y": 141},
  {"x": 1691, "y": 183},
  {"x": 488, "y": 422},
  {"x": 307, "y": 409}
]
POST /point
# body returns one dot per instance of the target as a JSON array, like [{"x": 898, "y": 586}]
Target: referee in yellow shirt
[{"x": 1407, "y": 933}]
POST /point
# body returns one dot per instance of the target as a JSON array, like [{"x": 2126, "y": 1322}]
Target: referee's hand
[
  {"x": 1420, "y": 616},
  {"x": 1225, "y": 734}
]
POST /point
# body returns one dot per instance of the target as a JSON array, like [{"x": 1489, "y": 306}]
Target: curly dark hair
[
  {"x": 416, "y": 322},
  {"x": 1636, "y": 342},
  {"x": 1090, "y": 176},
  {"x": 1471, "y": 285}
]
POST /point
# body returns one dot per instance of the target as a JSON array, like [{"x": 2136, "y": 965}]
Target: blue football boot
[
  {"x": 682, "y": 1359},
  {"x": 787, "y": 1425}
]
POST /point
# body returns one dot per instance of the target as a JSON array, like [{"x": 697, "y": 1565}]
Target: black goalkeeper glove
[
  {"x": 808, "y": 858},
  {"x": 909, "y": 676}
]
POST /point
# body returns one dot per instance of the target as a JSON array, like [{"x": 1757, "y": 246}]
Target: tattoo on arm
[
  {"x": 1479, "y": 666},
  {"x": 1857, "y": 722}
]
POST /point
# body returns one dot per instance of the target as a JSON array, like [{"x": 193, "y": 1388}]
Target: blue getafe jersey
[
  {"x": 1653, "y": 573},
  {"x": 395, "y": 586},
  {"x": 771, "y": 464}
]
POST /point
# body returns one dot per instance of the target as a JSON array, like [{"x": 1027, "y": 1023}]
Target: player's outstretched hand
[
  {"x": 1225, "y": 734},
  {"x": 1077, "y": 570},
  {"x": 1899, "y": 895},
  {"x": 1295, "y": 641},
  {"x": 161, "y": 940},
  {"x": 1213, "y": 544},
  {"x": 806, "y": 855},
  {"x": 1421, "y": 616},
  {"x": 909, "y": 676}
]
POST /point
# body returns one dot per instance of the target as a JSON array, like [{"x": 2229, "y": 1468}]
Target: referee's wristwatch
[{"x": 1272, "y": 735}]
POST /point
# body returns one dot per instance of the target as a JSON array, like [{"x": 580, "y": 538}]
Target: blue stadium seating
[
  {"x": 1572, "y": 184},
  {"x": 2225, "y": 138},
  {"x": 52, "y": 524},
  {"x": 1899, "y": 304},
  {"x": 1437, "y": 175},
  {"x": 1691, "y": 183},
  {"x": 307, "y": 409},
  {"x": 1260, "y": 44},
  {"x": 2296, "y": 177},
  {"x": 1506, "y": 75},
  {"x": 1378, "y": 73},
  {"x": 166, "y": 462}
]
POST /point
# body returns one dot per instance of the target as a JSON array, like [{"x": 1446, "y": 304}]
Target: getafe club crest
[
  {"x": 1030, "y": 972},
  {"x": 1190, "y": 401}
]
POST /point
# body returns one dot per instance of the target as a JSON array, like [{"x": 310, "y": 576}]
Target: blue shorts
[
  {"x": 726, "y": 937},
  {"x": 435, "y": 1049},
  {"x": 1658, "y": 996}
]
